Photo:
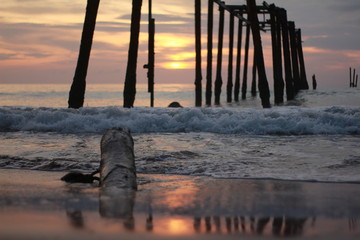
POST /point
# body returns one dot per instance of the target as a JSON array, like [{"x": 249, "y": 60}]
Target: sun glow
[{"x": 177, "y": 65}]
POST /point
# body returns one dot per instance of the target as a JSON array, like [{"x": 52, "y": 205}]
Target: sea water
[{"x": 313, "y": 138}]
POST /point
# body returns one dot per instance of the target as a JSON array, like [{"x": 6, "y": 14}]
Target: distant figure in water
[
  {"x": 175, "y": 105},
  {"x": 314, "y": 82}
]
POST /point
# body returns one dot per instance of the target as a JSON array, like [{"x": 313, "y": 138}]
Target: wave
[{"x": 274, "y": 121}]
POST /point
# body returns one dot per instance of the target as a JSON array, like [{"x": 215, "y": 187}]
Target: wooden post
[
  {"x": 353, "y": 79},
  {"x": 77, "y": 90},
  {"x": 151, "y": 55},
  {"x": 294, "y": 57},
  {"x": 209, "y": 52},
  {"x": 287, "y": 58},
  {"x": 246, "y": 62},
  {"x": 130, "y": 78},
  {"x": 254, "y": 70},
  {"x": 350, "y": 77},
  {"x": 151, "y": 81},
  {"x": 276, "y": 53},
  {"x": 314, "y": 83},
  {"x": 303, "y": 79},
  {"x": 218, "y": 80},
  {"x": 198, "y": 77},
  {"x": 230, "y": 61},
  {"x": 263, "y": 84},
  {"x": 238, "y": 61},
  {"x": 356, "y": 81}
]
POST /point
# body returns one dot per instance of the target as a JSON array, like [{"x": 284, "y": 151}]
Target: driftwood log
[
  {"x": 117, "y": 166},
  {"x": 118, "y": 176}
]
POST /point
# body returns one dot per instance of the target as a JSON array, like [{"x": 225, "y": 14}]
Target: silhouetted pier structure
[
  {"x": 289, "y": 71},
  {"x": 287, "y": 53}
]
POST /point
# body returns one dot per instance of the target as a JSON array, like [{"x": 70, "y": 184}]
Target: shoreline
[{"x": 38, "y": 205}]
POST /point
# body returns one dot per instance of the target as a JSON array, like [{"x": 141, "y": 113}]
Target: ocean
[{"x": 313, "y": 138}]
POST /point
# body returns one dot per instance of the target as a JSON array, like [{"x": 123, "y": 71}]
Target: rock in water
[
  {"x": 175, "y": 105},
  {"x": 117, "y": 166}
]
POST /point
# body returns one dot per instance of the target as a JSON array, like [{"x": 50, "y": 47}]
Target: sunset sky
[{"x": 39, "y": 40}]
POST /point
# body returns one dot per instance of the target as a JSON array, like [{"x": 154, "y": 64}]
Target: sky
[{"x": 39, "y": 40}]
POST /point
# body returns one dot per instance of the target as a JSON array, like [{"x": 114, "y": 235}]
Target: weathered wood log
[
  {"x": 209, "y": 52},
  {"x": 77, "y": 91},
  {"x": 246, "y": 63},
  {"x": 130, "y": 78},
  {"x": 229, "y": 86},
  {"x": 117, "y": 166},
  {"x": 218, "y": 80},
  {"x": 117, "y": 176},
  {"x": 198, "y": 76},
  {"x": 260, "y": 64},
  {"x": 238, "y": 61}
]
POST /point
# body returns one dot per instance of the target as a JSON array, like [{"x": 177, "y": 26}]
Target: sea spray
[{"x": 245, "y": 121}]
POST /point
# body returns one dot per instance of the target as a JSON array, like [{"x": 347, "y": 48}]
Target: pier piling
[
  {"x": 198, "y": 77},
  {"x": 259, "y": 56},
  {"x": 246, "y": 62},
  {"x": 230, "y": 61},
  {"x": 209, "y": 52},
  {"x": 238, "y": 61},
  {"x": 77, "y": 91},
  {"x": 130, "y": 78},
  {"x": 218, "y": 80}
]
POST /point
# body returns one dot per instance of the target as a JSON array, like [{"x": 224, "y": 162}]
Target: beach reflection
[{"x": 171, "y": 212}]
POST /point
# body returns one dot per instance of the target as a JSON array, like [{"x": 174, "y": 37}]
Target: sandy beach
[{"x": 38, "y": 205}]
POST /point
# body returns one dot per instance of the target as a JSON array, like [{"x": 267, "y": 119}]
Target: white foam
[{"x": 276, "y": 121}]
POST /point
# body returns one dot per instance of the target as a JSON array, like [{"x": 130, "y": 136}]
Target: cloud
[{"x": 345, "y": 6}]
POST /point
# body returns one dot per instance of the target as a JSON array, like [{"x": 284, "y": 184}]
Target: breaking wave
[{"x": 274, "y": 121}]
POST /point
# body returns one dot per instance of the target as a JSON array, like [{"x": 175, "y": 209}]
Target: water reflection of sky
[{"x": 177, "y": 206}]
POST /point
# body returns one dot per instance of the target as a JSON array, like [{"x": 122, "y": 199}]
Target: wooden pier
[{"x": 289, "y": 72}]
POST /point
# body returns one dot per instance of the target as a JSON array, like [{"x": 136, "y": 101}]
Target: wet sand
[{"x": 37, "y": 205}]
